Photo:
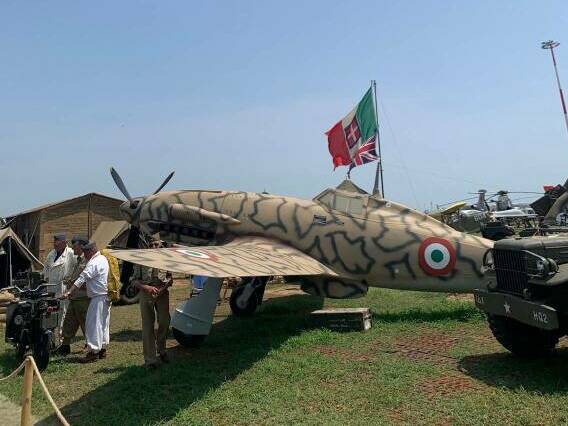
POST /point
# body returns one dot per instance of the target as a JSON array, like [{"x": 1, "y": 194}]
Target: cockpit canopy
[
  {"x": 342, "y": 201},
  {"x": 349, "y": 199}
]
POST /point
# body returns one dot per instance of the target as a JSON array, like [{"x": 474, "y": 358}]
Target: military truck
[{"x": 526, "y": 299}]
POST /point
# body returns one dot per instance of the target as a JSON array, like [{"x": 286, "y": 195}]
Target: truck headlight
[{"x": 546, "y": 267}]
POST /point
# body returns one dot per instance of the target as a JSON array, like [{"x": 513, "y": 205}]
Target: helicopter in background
[{"x": 494, "y": 219}]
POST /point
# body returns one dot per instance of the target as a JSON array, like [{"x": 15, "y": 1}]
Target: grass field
[{"x": 428, "y": 359}]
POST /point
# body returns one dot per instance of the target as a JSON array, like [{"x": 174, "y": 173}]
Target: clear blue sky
[{"x": 237, "y": 95}]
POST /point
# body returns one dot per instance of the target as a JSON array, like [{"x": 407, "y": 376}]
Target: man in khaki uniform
[
  {"x": 78, "y": 302},
  {"x": 58, "y": 265},
  {"x": 154, "y": 303}
]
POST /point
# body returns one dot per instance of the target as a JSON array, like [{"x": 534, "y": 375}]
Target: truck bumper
[{"x": 506, "y": 305}]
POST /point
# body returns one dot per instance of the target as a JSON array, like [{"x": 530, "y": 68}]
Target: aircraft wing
[{"x": 242, "y": 257}]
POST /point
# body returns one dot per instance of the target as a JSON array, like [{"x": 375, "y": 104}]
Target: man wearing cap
[
  {"x": 58, "y": 265},
  {"x": 78, "y": 302},
  {"x": 95, "y": 278},
  {"x": 154, "y": 303}
]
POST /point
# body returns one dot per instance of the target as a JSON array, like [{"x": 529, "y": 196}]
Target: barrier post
[{"x": 26, "y": 418}]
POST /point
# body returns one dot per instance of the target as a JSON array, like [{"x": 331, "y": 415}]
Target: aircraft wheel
[
  {"x": 188, "y": 340},
  {"x": 521, "y": 339},
  {"x": 130, "y": 295},
  {"x": 244, "y": 308}
]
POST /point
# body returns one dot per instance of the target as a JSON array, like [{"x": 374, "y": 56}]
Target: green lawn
[{"x": 427, "y": 360}]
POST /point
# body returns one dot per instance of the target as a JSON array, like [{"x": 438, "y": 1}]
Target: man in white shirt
[
  {"x": 59, "y": 263},
  {"x": 95, "y": 278},
  {"x": 58, "y": 266}
]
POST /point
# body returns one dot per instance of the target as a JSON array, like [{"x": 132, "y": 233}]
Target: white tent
[{"x": 15, "y": 257}]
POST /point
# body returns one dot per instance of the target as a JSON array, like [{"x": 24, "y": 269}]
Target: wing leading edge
[{"x": 242, "y": 257}]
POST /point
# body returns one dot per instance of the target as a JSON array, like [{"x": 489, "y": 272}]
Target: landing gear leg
[{"x": 192, "y": 319}]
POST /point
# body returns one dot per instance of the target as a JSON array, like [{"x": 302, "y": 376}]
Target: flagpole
[{"x": 379, "y": 172}]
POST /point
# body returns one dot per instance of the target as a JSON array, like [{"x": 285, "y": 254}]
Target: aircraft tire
[
  {"x": 521, "y": 339},
  {"x": 130, "y": 296},
  {"x": 251, "y": 306},
  {"x": 188, "y": 340}
]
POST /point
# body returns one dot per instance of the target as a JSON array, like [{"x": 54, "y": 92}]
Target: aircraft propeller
[
  {"x": 164, "y": 183},
  {"x": 133, "y": 240},
  {"x": 120, "y": 184}
]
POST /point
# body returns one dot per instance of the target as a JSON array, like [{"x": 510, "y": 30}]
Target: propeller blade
[
  {"x": 164, "y": 183},
  {"x": 119, "y": 183}
]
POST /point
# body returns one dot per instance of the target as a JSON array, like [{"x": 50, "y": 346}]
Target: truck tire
[{"x": 521, "y": 339}]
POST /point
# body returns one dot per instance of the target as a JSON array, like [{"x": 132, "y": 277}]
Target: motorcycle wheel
[
  {"x": 20, "y": 352},
  {"x": 41, "y": 355}
]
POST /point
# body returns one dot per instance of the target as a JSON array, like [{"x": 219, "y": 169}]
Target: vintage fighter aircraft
[{"x": 337, "y": 245}]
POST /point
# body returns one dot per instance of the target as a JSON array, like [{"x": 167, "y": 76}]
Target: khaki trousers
[
  {"x": 151, "y": 309},
  {"x": 74, "y": 319}
]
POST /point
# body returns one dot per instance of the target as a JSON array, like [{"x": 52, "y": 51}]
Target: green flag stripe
[{"x": 366, "y": 116}]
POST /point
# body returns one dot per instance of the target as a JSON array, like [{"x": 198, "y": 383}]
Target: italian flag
[{"x": 351, "y": 141}]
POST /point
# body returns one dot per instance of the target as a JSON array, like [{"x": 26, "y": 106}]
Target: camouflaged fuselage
[{"x": 367, "y": 242}]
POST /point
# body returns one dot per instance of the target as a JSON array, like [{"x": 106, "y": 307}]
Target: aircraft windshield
[{"x": 342, "y": 202}]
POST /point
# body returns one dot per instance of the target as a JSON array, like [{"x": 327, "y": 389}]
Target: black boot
[{"x": 63, "y": 350}]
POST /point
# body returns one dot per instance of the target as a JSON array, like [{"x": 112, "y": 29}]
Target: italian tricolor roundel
[
  {"x": 197, "y": 254},
  {"x": 436, "y": 256}
]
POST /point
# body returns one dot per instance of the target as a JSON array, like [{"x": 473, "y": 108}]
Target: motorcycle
[{"x": 31, "y": 320}]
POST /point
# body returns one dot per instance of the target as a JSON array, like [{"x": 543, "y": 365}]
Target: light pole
[{"x": 550, "y": 45}]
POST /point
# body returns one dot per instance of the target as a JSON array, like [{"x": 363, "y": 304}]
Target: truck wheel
[
  {"x": 188, "y": 340},
  {"x": 521, "y": 339}
]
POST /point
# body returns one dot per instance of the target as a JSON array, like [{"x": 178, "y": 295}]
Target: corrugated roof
[{"x": 49, "y": 205}]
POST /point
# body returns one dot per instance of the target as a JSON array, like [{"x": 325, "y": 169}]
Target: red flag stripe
[{"x": 337, "y": 146}]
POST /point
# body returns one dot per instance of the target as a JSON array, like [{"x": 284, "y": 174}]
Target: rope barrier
[
  {"x": 31, "y": 362},
  {"x": 15, "y": 372},
  {"x": 47, "y": 394}
]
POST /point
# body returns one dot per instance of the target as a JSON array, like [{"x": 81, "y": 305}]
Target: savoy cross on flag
[{"x": 352, "y": 140}]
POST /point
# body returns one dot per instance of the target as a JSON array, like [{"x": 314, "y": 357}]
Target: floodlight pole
[{"x": 550, "y": 45}]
